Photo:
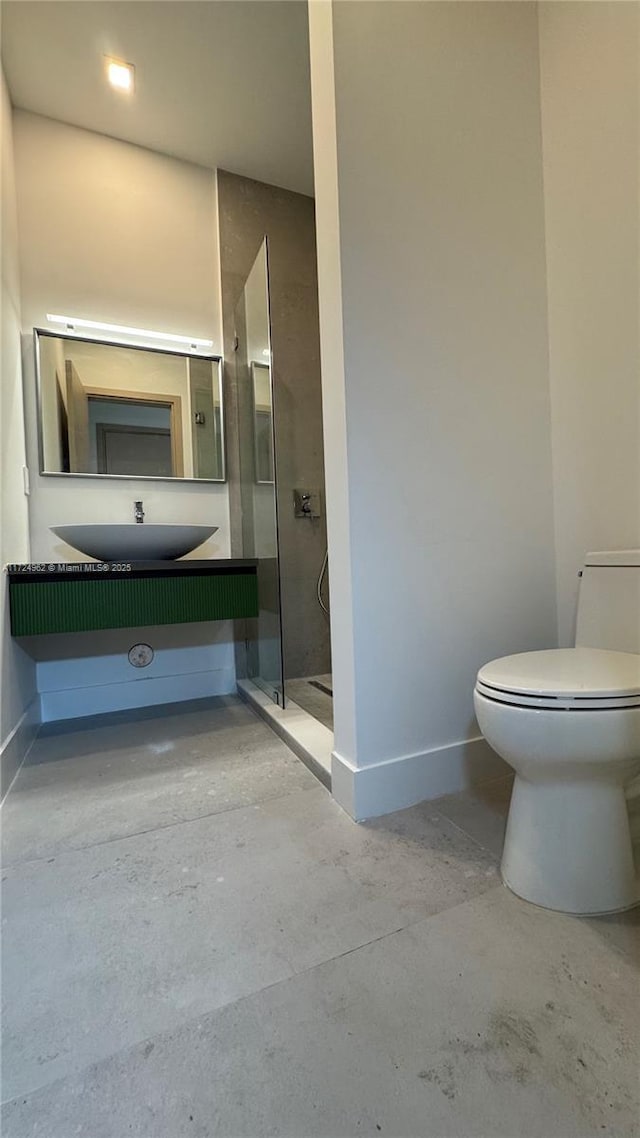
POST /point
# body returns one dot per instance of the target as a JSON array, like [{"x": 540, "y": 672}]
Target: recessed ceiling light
[{"x": 120, "y": 75}]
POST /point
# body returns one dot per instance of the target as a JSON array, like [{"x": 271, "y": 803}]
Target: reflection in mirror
[
  {"x": 262, "y": 421},
  {"x": 117, "y": 410},
  {"x": 254, "y": 385}
]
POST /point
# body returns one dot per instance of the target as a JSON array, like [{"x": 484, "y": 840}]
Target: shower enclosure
[
  {"x": 254, "y": 382},
  {"x": 281, "y": 479}
]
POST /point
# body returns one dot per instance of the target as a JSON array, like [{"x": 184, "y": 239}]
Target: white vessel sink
[{"x": 132, "y": 541}]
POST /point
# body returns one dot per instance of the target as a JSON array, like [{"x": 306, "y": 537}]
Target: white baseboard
[
  {"x": 15, "y": 748},
  {"x": 72, "y": 703},
  {"x": 369, "y": 791}
]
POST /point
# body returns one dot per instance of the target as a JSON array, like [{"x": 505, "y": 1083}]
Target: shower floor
[{"x": 315, "y": 695}]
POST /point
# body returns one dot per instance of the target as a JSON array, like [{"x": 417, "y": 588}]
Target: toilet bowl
[{"x": 568, "y": 722}]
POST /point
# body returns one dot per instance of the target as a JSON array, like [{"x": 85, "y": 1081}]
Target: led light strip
[{"x": 73, "y": 322}]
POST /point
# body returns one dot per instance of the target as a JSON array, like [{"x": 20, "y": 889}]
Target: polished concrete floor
[{"x": 198, "y": 942}]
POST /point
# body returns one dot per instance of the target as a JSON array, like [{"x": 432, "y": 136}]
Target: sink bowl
[{"x": 131, "y": 541}]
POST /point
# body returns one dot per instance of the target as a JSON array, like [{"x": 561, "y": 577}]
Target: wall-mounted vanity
[
  {"x": 112, "y": 414},
  {"x": 92, "y": 595}
]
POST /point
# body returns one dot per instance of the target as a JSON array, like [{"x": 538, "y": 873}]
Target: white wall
[
  {"x": 190, "y": 661},
  {"x": 590, "y": 84},
  {"x": 113, "y": 232},
  {"x": 17, "y": 671},
  {"x": 445, "y": 441},
  {"x": 334, "y": 415}
]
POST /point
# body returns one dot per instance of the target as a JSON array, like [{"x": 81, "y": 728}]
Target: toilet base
[{"x": 568, "y": 847}]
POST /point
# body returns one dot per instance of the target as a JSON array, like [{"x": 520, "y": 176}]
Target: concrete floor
[{"x": 198, "y": 942}]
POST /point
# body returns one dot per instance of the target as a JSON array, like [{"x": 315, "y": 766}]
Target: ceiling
[{"x": 218, "y": 82}]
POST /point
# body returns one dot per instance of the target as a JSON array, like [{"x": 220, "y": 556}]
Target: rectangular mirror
[{"x": 121, "y": 411}]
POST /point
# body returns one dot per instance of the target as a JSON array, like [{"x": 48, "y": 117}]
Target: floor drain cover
[{"x": 321, "y": 687}]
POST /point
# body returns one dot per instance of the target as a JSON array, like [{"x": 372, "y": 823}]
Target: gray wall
[{"x": 247, "y": 211}]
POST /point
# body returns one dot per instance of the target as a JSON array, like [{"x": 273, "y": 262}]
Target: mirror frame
[{"x": 39, "y": 332}]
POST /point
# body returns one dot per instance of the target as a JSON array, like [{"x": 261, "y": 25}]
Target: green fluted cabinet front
[{"x": 46, "y": 602}]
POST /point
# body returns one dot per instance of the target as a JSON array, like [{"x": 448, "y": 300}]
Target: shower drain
[{"x": 321, "y": 687}]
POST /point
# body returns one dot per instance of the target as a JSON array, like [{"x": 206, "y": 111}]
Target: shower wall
[{"x": 249, "y": 210}]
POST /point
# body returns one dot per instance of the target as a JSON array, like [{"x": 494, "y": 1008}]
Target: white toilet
[{"x": 568, "y": 722}]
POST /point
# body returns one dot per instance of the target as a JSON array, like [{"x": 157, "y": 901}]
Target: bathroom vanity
[{"x": 90, "y": 595}]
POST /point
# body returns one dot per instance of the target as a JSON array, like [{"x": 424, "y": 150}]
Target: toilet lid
[{"x": 573, "y": 673}]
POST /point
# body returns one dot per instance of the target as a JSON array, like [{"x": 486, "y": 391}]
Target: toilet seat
[{"x": 563, "y": 679}]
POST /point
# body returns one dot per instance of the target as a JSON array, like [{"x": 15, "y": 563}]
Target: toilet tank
[{"x": 609, "y": 601}]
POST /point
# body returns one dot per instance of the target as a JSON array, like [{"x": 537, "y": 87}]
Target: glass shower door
[{"x": 258, "y": 475}]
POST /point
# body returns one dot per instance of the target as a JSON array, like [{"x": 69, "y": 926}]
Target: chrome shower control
[{"x": 306, "y": 503}]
